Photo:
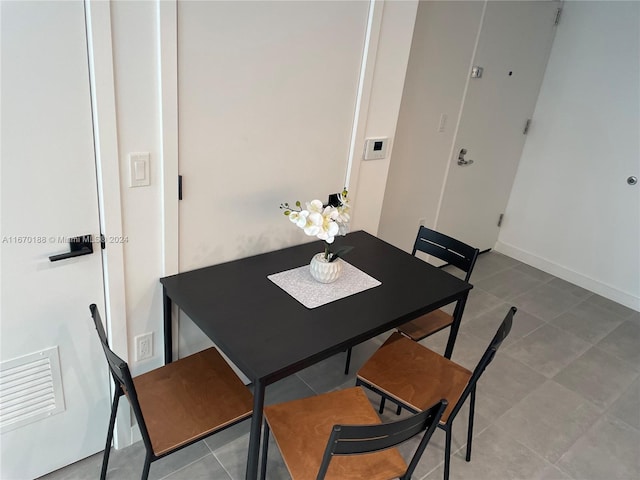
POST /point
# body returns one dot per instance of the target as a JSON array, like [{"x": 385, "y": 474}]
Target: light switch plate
[
  {"x": 139, "y": 169},
  {"x": 375, "y": 148}
]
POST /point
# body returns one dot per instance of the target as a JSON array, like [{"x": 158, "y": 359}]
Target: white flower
[
  {"x": 329, "y": 231},
  {"x": 314, "y": 223},
  {"x": 315, "y": 206},
  {"x": 342, "y": 217},
  {"x": 299, "y": 218},
  {"x": 343, "y": 229},
  {"x": 331, "y": 213},
  {"x": 320, "y": 221}
]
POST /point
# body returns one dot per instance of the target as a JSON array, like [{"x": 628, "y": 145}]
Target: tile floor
[{"x": 560, "y": 401}]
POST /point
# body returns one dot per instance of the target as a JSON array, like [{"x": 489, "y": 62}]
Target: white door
[
  {"x": 48, "y": 191},
  {"x": 513, "y": 49},
  {"x": 267, "y": 95}
]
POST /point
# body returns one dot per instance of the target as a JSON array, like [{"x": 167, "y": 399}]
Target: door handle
[
  {"x": 78, "y": 246},
  {"x": 461, "y": 161}
]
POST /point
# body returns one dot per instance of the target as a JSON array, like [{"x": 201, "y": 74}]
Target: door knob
[
  {"x": 461, "y": 161},
  {"x": 78, "y": 246},
  {"x": 632, "y": 180}
]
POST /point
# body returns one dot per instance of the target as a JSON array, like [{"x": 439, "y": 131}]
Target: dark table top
[{"x": 269, "y": 335}]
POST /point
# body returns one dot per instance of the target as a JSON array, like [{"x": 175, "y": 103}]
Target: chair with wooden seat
[
  {"x": 339, "y": 436},
  {"x": 453, "y": 252},
  {"x": 413, "y": 377},
  {"x": 178, "y": 404}
]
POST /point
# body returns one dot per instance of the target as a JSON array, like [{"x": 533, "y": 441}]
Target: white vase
[{"x": 323, "y": 270}]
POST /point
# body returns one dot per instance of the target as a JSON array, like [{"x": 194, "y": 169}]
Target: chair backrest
[
  {"x": 486, "y": 359},
  {"x": 121, "y": 375},
  {"x": 447, "y": 249},
  {"x": 358, "y": 439}
]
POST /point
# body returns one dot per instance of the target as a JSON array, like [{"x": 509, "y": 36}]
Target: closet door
[
  {"x": 54, "y": 381},
  {"x": 267, "y": 94},
  {"x": 513, "y": 50}
]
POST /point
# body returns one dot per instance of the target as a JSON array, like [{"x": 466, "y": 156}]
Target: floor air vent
[{"x": 30, "y": 389}]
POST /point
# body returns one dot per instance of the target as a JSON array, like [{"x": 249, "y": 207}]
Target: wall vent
[{"x": 30, "y": 389}]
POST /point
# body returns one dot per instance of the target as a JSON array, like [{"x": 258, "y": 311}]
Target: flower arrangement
[{"x": 323, "y": 221}]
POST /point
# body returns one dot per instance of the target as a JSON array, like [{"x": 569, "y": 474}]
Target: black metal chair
[
  {"x": 412, "y": 376},
  {"x": 319, "y": 436},
  {"x": 178, "y": 404},
  {"x": 453, "y": 252}
]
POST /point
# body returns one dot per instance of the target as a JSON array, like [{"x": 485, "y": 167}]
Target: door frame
[{"x": 103, "y": 112}]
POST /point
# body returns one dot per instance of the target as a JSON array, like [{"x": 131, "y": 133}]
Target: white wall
[
  {"x": 266, "y": 106},
  {"x": 571, "y": 211},
  {"x": 385, "y": 80},
  {"x": 135, "y": 52}
]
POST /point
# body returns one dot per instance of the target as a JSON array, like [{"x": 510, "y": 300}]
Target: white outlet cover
[{"x": 144, "y": 346}]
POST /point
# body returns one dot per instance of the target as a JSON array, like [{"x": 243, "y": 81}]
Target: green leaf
[
  {"x": 298, "y": 203},
  {"x": 342, "y": 251}
]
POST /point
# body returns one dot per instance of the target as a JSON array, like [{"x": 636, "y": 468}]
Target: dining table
[{"x": 249, "y": 311}]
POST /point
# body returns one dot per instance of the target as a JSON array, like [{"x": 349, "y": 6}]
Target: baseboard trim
[{"x": 612, "y": 293}]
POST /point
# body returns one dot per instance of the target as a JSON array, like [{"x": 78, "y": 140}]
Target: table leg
[
  {"x": 256, "y": 427},
  {"x": 168, "y": 338},
  {"x": 457, "y": 318}
]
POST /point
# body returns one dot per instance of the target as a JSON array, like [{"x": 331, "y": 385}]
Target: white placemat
[{"x": 299, "y": 283}]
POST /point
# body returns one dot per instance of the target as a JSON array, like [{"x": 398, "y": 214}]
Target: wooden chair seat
[
  {"x": 410, "y": 373},
  {"x": 426, "y": 325},
  {"x": 301, "y": 429},
  {"x": 176, "y": 400},
  {"x": 177, "y": 404},
  {"x": 455, "y": 253}
]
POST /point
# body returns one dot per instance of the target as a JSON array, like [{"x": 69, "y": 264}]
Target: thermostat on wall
[{"x": 375, "y": 148}]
